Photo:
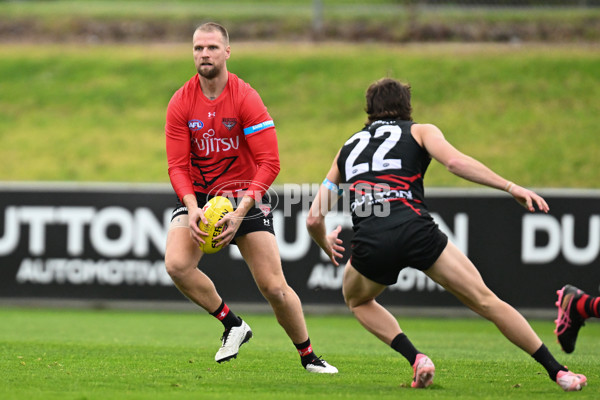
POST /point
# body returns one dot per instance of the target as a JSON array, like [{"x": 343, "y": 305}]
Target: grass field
[
  {"x": 82, "y": 354},
  {"x": 85, "y": 111},
  {"x": 96, "y": 113}
]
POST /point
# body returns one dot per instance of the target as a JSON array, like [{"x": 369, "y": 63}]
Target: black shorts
[
  {"x": 381, "y": 255},
  {"x": 256, "y": 220}
]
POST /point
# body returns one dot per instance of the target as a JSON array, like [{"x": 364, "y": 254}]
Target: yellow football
[{"x": 214, "y": 210}]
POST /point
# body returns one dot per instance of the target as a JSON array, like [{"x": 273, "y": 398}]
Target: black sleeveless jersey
[{"x": 382, "y": 169}]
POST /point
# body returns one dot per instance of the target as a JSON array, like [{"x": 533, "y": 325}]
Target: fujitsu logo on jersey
[{"x": 209, "y": 144}]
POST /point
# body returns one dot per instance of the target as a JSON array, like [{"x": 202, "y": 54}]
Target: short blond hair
[{"x": 214, "y": 27}]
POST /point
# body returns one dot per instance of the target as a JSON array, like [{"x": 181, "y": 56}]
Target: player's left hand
[
  {"x": 528, "y": 198},
  {"x": 232, "y": 222}
]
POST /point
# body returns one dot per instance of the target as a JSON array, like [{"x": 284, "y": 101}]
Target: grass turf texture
[
  {"x": 96, "y": 113},
  {"x": 82, "y": 354}
]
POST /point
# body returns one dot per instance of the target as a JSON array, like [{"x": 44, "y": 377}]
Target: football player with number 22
[{"x": 381, "y": 168}]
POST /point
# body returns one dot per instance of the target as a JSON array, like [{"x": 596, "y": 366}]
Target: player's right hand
[
  {"x": 195, "y": 216},
  {"x": 335, "y": 249},
  {"x": 528, "y": 198}
]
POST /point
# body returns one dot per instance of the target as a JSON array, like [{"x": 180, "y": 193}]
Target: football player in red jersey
[
  {"x": 220, "y": 140},
  {"x": 382, "y": 168}
]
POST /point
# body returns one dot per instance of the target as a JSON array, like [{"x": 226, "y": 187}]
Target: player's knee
[
  {"x": 348, "y": 299},
  {"x": 351, "y": 305},
  {"x": 175, "y": 266},
  {"x": 485, "y": 304},
  {"x": 353, "y": 301},
  {"x": 273, "y": 292},
  {"x": 171, "y": 267}
]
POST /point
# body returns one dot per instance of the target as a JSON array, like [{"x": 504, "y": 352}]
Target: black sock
[
  {"x": 226, "y": 316},
  {"x": 543, "y": 356},
  {"x": 404, "y": 346},
  {"x": 306, "y": 352}
]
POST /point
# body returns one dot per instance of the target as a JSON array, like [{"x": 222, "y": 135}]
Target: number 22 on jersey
[{"x": 378, "y": 160}]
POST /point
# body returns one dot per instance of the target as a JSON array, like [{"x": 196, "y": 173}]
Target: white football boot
[
  {"x": 233, "y": 339},
  {"x": 321, "y": 366}
]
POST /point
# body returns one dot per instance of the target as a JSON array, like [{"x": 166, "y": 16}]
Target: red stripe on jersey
[{"x": 407, "y": 204}]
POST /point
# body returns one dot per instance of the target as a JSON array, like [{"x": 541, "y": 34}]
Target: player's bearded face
[{"x": 210, "y": 54}]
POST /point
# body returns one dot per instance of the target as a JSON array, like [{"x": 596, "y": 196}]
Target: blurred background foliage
[
  {"x": 84, "y": 84},
  {"x": 353, "y": 20}
]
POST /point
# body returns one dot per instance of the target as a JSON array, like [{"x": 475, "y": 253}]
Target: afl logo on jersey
[{"x": 195, "y": 125}]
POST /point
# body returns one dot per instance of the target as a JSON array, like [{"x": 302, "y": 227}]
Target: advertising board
[{"x": 107, "y": 242}]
